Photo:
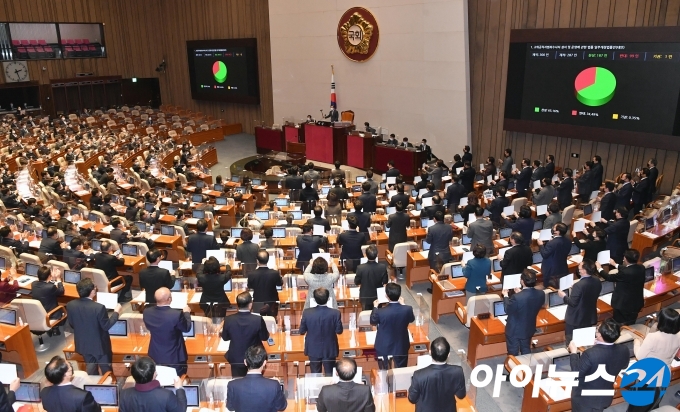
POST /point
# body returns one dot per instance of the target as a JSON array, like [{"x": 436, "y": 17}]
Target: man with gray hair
[{"x": 346, "y": 395}]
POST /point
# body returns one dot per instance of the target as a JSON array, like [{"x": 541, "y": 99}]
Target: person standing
[
  {"x": 506, "y": 166},
  {"x": 263, "y": 282},
  {"x": 565, "y": 189},
  {"x": 497, "y": 205},
  {"x": 524, "y": 223},
  {"x": 323, "y": 324},
  {"x": 351, "y": 241},
  {"x": 243, "y": 330},
  {"x": 641, "y": 191},
  {"x": 653, "y": 175},
  {"x": 433, "y": 388},
  {"x": 392, "y": 320},
  {"x": 255, "y": 392},
  {"x": 199, "y": 242},
  {"x": 370, "y": 276},
  {"x": 585, "y": 183},
  {"x": 594, "y": 244},
  {"x": 476, "y": 271},
  {"x": 608, "y": 201},
  {"x": 605, "y": 351},
  {"x": 439, "y": 237},
  {"x": 454, "y": 193},
  {"x": 617, "y": 234},
  {"x": 91, "y": 326},
  {"x": 148, "y": 395},
  {"x": 398, "y": 223},
  {"x": 555, "y": 254},
  {"x": 517, "y": 258},
  {"x": 628, "y": 297},
  {"x": 582, "y": 301},
  {"x": 480, "y": 232},
  {"x": 8, "y": 398},
  {"x": 346, "y": 395},
  {"x": 152, "y": 278},
  {"x": 522, "y": 309},
  {"x": 62, "y": 395},
  {"x": 307, "y": 245},
  {"x": 553, "y": 215},
  {"x": 166, "y": 326},
  {"x": 523, "y": 178},
  {"x": 367, "y": 198}
]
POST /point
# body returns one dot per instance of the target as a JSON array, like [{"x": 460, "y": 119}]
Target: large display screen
[
  {"x": 586, "y": 89},
  {"x": 224, "y": 70}
]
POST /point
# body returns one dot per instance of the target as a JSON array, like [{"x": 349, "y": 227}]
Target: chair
[
  {"x": 476, "y": 305},
  {"x": 347, "y": 116},
  {"x": 568, "y": 215},
  {"x": 101, "y": 282},
  {"x": 61, "y": 266},
  {"x": 518, "y": 203},
  {"x": 631, "y": 231},
  {"x": 269, "y": 321},
  {"x": 397, "y": 258},
  {"x": 531, "y": 360},
  {"x": 364, "y": 318},
  {"x": 182, "y": 179},
  {"x": 9, "y": 256},
  {"x": 293, "y": 231},
  {"x": 30, "y": 258},
  {"x": 38, "y": 319}
]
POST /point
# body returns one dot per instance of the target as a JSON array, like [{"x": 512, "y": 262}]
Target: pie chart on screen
[
  {"x": 595, "y": 86},
  {"x": 219, "y": 71}
]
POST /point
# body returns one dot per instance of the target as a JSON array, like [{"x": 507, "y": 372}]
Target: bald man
[{"x": 166, "y": 326}]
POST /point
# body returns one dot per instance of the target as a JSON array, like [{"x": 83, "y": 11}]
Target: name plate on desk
[
  {"x": 288, "y": 258},
  {"x": 274, "y": 357},
  {"x": 365, "y": 328},
  {"x": 305, "y": 287},
  {"x": 401, "y": 394},
  {"x": 420, "y": 348},
  {"x": 200, "y": 359},
  {"x": 483, "y": 316},
  {"x": 443, "y": 277},
  {"x": 349, "y": 353},
  {"x": 129, "y": 358},
  {"x": 294, "y": 332}
]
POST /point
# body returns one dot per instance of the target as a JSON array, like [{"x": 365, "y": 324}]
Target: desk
[
  {"x": 326, "y": 143},
  {"x": 267, "y": 139},
  {"x": 16, "y": 345},
  {"x": 656, "y": 235},
  {"x": 408, "y": 162},
  {"x": 360, "y": 150}
]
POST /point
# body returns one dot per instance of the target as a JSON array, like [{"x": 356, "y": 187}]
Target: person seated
[
  {"x": 664, "y": 342},
  {"x": 8, "y": 289}
]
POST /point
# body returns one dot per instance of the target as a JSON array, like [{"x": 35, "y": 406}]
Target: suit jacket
[
  {"x": 152, "y": 278},
  {"x": 582, "y": 301},
  {"x": 641, "y": 192},
  {"x": 628, "y": 295},
  {"x": 524, "y": 226},
  {"x": 392, "y": 321},
  {"x": 586, "y": 183},
  {"x": 453, "y": 195},
  {"x": 47, "y": 293},
  {"x": 254, "y": 392},
  {"x": 522, "y": 309},
  {"x": 363, "y": 220},
  {"x": 623, "y": 195},
  {"x": 433, "y": 387},
  {"x": 152, "y": 397},
  {"x": 598, "y": 173},
  {"x": 552, "y": 220},
  {"x": 307, "y": 245},
  {"x": 476, "y": 271},
  {"x": 91, "y": 326},
  {"x": 467, "y": 179},
  {"x": 344, "y": 397},
  {"x": 213, "y": 286},
  {"x": 523, "y": 180},
  {"x": 9, "y": 397},
  {"x": 436, "y": 176},
  {"x": 131, "y": 214},
  {"x": 68, "y": 398},
  {"x": 591, "y": 247},
  {"x": 607, "y": 206},
  {"x": 264, "y": 281},
  {"x": 198, "y": 243},
  {"x": 321, "y": 222},
  {"x": 246, "y": 252},
  {"x": 617, "y": 237},
  {"x": 439, "y": 237},
  {"x": 75, "y": 259},
  {"x": 564, "y": 196},
  {"x": 370, "y": 276},
  {"x": 19, "y": 246},
  {"x": 392, "y": 142},
  {"x": 614, "y": 357},
  {"x": 393, "y": 172},
  {"x": 340, "y": 192},
  {"x": 322, "y": 325},
  {"x": 515, "y": 260},
  {"x": 653, "y": 175},
  {"x": 166, "y": 326},
  {"x": 555, "y": 254},
  {"x": 351, "y": 242},
  {"x": 506, "y": 166},
  {"x": 294, "y": 182},
  {"x": 481, "y": 232},
  {"x": 49, "y": 245},
  {"x": 244, "y": 330},
  {"x": 108, "y": 263},
  {"x": 496, "y": 208},
  {"x": 545, "y": 196},
  {"x": 369, "y": 202},
  {"x": 549, "y": 170},
  {"x": 119, "y": 236},
  {"x": 400, "y": 197},
  {"x": 538, "y": 174}
]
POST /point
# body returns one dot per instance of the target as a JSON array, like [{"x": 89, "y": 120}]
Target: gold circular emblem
[{"x": 358, "y": 34}]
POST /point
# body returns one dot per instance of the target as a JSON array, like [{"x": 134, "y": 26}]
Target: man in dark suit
[
  {"x": 255, "y": 392},
  {"x": 398, "y": 223},
  {"x": 74, "y": 256},
  {"x": 8, "y": 398},
  {"x": 436, "y": 207},
  {"x": 653, "y": 175},
  {"x": 50, "y": 245},
  {"x": 47, "y": 289},
  {"x": 147, "y": 394},
  {"x": 392, "y": 321},
  {"x": 617, "y": 234},
  {"x": 339, "y": 190},
  {"x": 363, "y": 218},
  {"x": 370, "y": 276},
  {"x": 392, "y": 140},
  {"x": 117, "y": 233},
  {"x": 467, "y": 156},
  {"x": 91, "y": 326},
  {"x": 405, "y": 143},
  {"x": 439, "y": 237},
  {"x": 605, "y": 351},
  {"x": 351, "y": 241},
  {"x": 62, "y": 396},
  {"x": 497, "y": 205},
  {"x": 454, "y": 193},
  {"x": 307, "y": 244},
  {"x": 153, "y": 277},
  {"x": 332, "y": 114},
  {"x": 555, "y": 254},
  {"x": 523, "y": 178},
  {"x": 625, "y": 192},
  {"x": 565, "y": 189},
  {"x": 243, "y": 329},
  {"x": 7, "y": 240},
  {"x": 481, "y": 232},
  {"x": 641, "y": 191},
  {"x": 549, "y": 169},
  {"x": 585, "y": 183},
  {"x": 346, "y": 395},
  {"x": 628, "y": 297},
  {"x": 524, "y": 223},
  {"x": 608, "y": 201},
  {"x": 467, "y": 177},
  {"x": 323, "y": 324},
  {"x": 63, "y": 222},
  {"x": 108, "y": 260},
  {"x": 582, "y": 300},
  {"x": 166, "y": 326},
  {"x": 367, "y": 198},
  {"x": 433, "y": 387},
  {"x": 318, "y": 220},
  {"x": 199, "y": 242},
  {"x": 598, "y": 172},
  {"x": 424, "y": 147},
  {"x": 263, "y": 281},
  {"x": 400, "y": 197},
  {"x": 522, "y": 309},
  {"x": 131, "y": 211},
  {"x": 537, "y": 173},
  {"x": 517, "y": 258}
]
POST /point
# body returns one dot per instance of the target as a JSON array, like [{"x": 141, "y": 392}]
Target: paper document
[
  {"x": 501, "y": 252},
  {"x": 325, "y": 256},
  {"x": 166, "y": 264},
  {"x": 603, "y": 257},
  {"x": 584, "y": 336},
  {"x": 607, "y": 298},
  {"x": 648, "y": 293},
  {"x": 427, "y": 201},
  {"x": 511, "y": 281},
  {"x": 179, "y": 300},
  {"x": 165, "y": 375},
  {"x": 382, "y": 296},
  {"x": 424, "y": 253},
  {"x": 8, "y": 371},
  {"x": 458, "y": 170},
  {"x": 537, "y": 184},
  {"x": 467, "y": 256},
  {"x": 139, "y": 296},
  {"x": 197, "y": 297},
  {"x": 423, "y": 361},
  {"x": 502, "y": 242},
  {"x": 319, "y": 230},
  {"x": 508, "y": 210},
  {"x": 541, "y": 210},
  {"x": 558, "y": 311},
  {"x": 576, "y": 258},
  {"x": 109, "y": 300},
  {"x": 391, "y": 180},
  {"x": 354, "y": 293},
  {"x": 596, "y": 216},
  {"x": 463, "y": 201},
  {"x": 545, "y": 235},
  {"x": 579, "y": 225},
  {"x": 217, "y": 254},
  {"x": 566, "y": 281}
]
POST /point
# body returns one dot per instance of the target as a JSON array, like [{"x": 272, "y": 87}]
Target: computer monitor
[
  {"x": 196, "y": 198},
  {"x": 43, "y": 234},
  {"x": 538, "y": 224},
  {"x": 192, "y": 331},
  {"x": 236, "y": 232},
  {"x": 129, "y": 250},
  {"x": 499, "y": 309},
  {"x": 574, "y": 250},
  {"x": 75, "y": 211},
  {"x": 587, "y": 209},
  {"x": 649, "y": 273},
  {"x": 562, "y": 363},
  {"x": 68, "y": 238},
  {"x": 96, "y": 245},
  {"x": 426, "y": 246},
  {"x": 8, "y": 316},
  {"x": 131, "y": 180},
  {"x": 649, "y": 223},
  {"x": 240, "y": 189},
  {"x": 192, "y": 394},
  {"x": 465, "y": 240},
  {"x": 390, "y": 210},
  {"x": 554, "y": 299},
  {"x": 172, "y": 210},
  {"x": 119, "y": 328},
  {"x": 676, "y": 264},
  {"x": 3, "y": 263},
  {"x": 104, "y": 395},
  {"x": 168, "y": 230},
  {"x": 177, "y": 286},
  {"x": 236, "y": 179},
  {"x": 505, "y": 232},
  {"x": 456, "y": 271},
  {"x": 28, "y": 392},
  {"x": 256, "y": 182},
  {"x": 149, "y": 207},
  {"x": 458, "y": 218},
  {"x": 198, "y": 214},
  {"x": 281, "y": 202},
  {"x": 72, "y": 276},
  {"x": 297, "y": 214},
  {"x": 262, "y": 214},
  {"x": 607, "y": 287},
  {"x": 218, "y": 187},
  {"x": 424, "y": 222},
  {"x": 32, "y": 269},
  {"x": 497, "y": 265},
  {"x": 200, "y": 184},
  {"x": 297, "y": 252},
  {"x": 279, "y": 232},
  {"x": 414, "y": 193},
  {"x": 383, "y": 185},
  {"x": 537, "y": 258},
  {"x": 114, "y": 198},
  {"x": 228, "y": 286},
  {"x": 325, "y": 190},
  {"x": 141, "y": 226},
  {"x": 92, "y": 217},
  {"x": 360, "y": 179},
  {"x": 221, "y": 201}
]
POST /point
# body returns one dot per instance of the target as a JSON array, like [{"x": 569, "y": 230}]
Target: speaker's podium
[
  {"x": 327, "y": 142},
  {"x": 360, "y": 149}
]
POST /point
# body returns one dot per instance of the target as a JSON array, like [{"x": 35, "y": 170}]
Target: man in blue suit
[
  {"x": 254, "y": 392},
  {"x": 166, "y": 325},
  {"x": 524, "y": 223},
  {"x": 199, "y": 242},
  {"x": 523, "y": 178},
  {"x": 244, "y": 330},
  {"x": 555, "y": 254},
  {"x": 323, "y": 324},
  {"x": 617, "y": 234},
  {"x": 392, "y": 320},
  {"x": 625, "y": 192},
  {"x": 522, "y": 309}
]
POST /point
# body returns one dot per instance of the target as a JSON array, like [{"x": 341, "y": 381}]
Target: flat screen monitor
[
  {"x": 104, "y": 395},
  {"x": 218, "y": 187},
  {"x": 607, "y": 287},
  {"x": 236, "y": 178},
  {"x": 458, "y": 218},
  {"x": 676, "y": 264},
  {"x": 466, "y": 240},
  {"x": 32, "y": 269},
  {"x": 168, "y": 230},
  {"x": 228, "y": 286},
  {"x": 326, "y": 189},
  {"x": 172, "y": 210},
  {"x": 191, "y": 392},
  {"x": 297, "y": 252},
  {"x": 499, "y": 309},
  {"x": 649, "y": 223},
  {"x": 240, "y": 189},
  {"x": 119, "y": 328},
  {"x": 297, "y": 214},
  {"x": 3, "y": 263},
  {"x": 256, "y": 182},
  {"x": 537, "y": 258},
  {"x": 554, "y": 299},
  {"x": 198, "y": 214},
  {"x": 196, "y": 198},
  {"x": 262, "y": 214},
  {"x": 177, "y": 286},
  {"x": 28, "y": 392},
  {"x": 538, "y": 224},
  {"x": 281, "y": 202},
  {"x": 224, "y": 70},
  {"x": 426, "y": 246},
  {"x": 200, "y": 184},
  {"x": 587, "y": 209},
  {"x": 141, "y": 226},
  {"x": 649, "y": 273},
  {"x": 221, "y": 201},
  {"x": 279, "y": 232},
  {"x": 129, "y": 250},
  {"x": 562, "y": 363},
  {"x": 68, "y": 238},
  {"x": 72, "y": 276},
  {"x": 8, "y": 316},
  {"x": 149, "y": 207},
  {"x": 236, "y": 232},
  {"x": 92, "y": 217},
  {"x": 574, "y": 250},
  {"x": 505, "y": 232},
  {"x": 360, "y": 179},
  {"x": 192, "y": 331},
  {"x": 456, "y": 271},
  {"x": 75, "y": 211},
  {"x": 96, "y": 245},
  {"x": 424, "y": 222},
  {"x": 497, "y": 265}
]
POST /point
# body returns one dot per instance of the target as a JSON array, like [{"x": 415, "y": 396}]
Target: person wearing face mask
[
  {"x": 555, "y": 253},
  {"x": 332, "y": 114},
  {"x": 424, "y": 147}
]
